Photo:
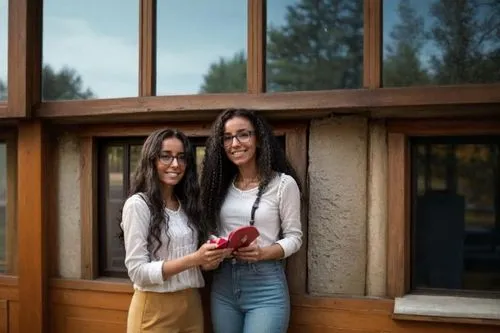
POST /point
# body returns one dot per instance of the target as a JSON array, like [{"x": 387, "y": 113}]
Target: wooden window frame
[
  {"x": 296, "y": 136},
  {"x": 25, "y": 40},
  {"x": 399, "y": 210},
  {"x": 9, "y": 136}
]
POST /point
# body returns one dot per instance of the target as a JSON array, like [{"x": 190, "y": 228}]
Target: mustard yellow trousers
[{"x": 175, "y": 312}]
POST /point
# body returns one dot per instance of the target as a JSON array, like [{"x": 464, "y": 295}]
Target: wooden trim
[
  {"x": 147, "y": 47},
  {"x": 12, "y": 204},
  {"x": 256, "y": 63},
  {"x": 398, "y": 254},
  {"x": 437, "y": 127},
  {"x": 88, "y": 208},
  {"x": 4, "y": 110},
  {"x": 102, "y": 284},
  {"x": 9, "y": 289},
  {"x": 193, "y": 129},
  {"x": 309, "y": 104},
  {"x": 24, "y": 56},
  {"x": 372, "y": 44},
  {"x": 296, "y": 143},
  {"x": 4, "y": 316},
  {"x": 51, "y": 202},
  {"x": 32, "y": 191},
  {"x": 398, "y": 247},
  {"x": 297, "y": 152}
]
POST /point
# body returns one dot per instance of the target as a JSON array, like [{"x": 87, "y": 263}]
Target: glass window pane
[
  {"x": 113, "y": 249},
  {"x": 135, "y": 155},
  {"x": 90, "y": 49},
  {"x": 201, "y": 46},
  {"x": 3, "y": 48},
  {"x": 437, "y": 42},
  {"x": 456, "y": 221},
  {"x": 314, "y": 45},
  {"x": 3, "y": 208}
]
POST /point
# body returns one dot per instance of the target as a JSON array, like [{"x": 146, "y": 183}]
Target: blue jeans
[{"x": 250, "y": 298}]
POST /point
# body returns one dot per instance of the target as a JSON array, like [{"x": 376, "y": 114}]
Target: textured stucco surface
[
  {"x": 337, "y": 207},
  {"x": 69, "y": 207},
  {"x": 377, "y": 211}
]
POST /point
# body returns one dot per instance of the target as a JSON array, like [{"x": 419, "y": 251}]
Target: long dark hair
[
  {"x": 146, "y": 182},
  {"x": 219, "y": 171}
]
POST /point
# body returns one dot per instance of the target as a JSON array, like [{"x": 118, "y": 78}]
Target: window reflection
[
  {"x": 201, "y": 46},
  {"x": 119, "y": 159},
  {"x": 440, "y": 42},
  {"x": 314, "y": 45},
  {"x": 456, "y": 223},
  {"x": 90, "y": 49},
  {"x": 4, "y": 14},
  {"x": 3, "y": 208}
]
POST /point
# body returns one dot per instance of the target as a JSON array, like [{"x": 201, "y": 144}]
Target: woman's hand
[
  {"x": 209, "y": 256},
  {"x": 251, "y": 253}
]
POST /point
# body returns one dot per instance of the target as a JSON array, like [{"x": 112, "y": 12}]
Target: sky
[{"x": 99, "y": 39}]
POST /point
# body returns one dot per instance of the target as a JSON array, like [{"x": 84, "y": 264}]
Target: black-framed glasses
[
  {"x": 242, "y": 137},
  {"x": 169, "y": 159}
]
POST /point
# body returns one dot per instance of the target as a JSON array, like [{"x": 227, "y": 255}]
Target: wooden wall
[{"x": 97, "y": 306}]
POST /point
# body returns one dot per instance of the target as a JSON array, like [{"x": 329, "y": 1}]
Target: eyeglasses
[
  {"x": 242, "y": 137},
  {"x": 169, "y": 159}
]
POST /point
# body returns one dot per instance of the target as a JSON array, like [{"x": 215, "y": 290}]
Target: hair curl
[
  {"x": 218, "y": 171},
  {"x": 147, "y": 182}
]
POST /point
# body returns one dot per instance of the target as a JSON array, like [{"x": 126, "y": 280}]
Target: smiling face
[
  {"x": 240, "y": 142},
  {"x": 171, "y": 164}
]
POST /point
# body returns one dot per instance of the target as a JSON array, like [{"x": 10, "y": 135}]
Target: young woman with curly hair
[
  {"x": 248, "y": 180},
  {"x": 162, "y": 232}
]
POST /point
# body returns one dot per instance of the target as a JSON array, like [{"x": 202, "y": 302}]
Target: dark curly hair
[
  {"x": 218, "y": 171},
  {"x": 146, "y": 182}
]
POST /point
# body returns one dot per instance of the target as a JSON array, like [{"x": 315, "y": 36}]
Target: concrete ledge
[{"x": 447, "y": 306}]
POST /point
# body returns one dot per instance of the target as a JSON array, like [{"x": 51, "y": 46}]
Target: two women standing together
[{"x": 246, "y": 180}]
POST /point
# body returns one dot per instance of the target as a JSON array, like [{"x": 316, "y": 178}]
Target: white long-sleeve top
[
  {"x": 146, "y": 271},
  {"x": 279, "y": 209}
]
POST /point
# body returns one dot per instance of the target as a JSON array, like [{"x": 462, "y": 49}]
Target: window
[
  {"x": 118, "y": 159},
  {"x": 8, "y": 231},
  {"x": 314, "y": 45},
  {"x": 201, "y": 47},
  {"x": 455, "y": 217},
  {"x": 90, "y": 49},
  {"x": 3, "y": 207},
  {"x": 3, "y": 48},
  {"x": 430, "y": 42}
]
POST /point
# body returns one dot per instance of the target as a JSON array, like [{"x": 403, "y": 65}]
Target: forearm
[
  {"x": 272, "y": 252},
  {"x": 175, "y": 266}
]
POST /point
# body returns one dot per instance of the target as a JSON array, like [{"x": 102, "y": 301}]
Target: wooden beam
[
  {"x": 372, "y": 44},
  {"x": 24, "y": 56},
  {"x": 147, "y": 46},
  {"x": 296, "y": 150},
  {"x": 4, "y": 110},
  {"x": 398, "y": 230},
  {"x": 88, "y": 209},
  {"x": 32, "y": 193},
  {"x": 305, "y": 104},
  {"x": 256, "y": 63}
]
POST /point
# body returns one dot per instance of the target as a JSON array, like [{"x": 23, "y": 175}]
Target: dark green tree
[
  {"x": 3, "y": 91},
  {"x": 58, "y": 85},
  {"x": 226, "y": 75},
  {"x": 65, "y": 84},
  {"x": 467, "y": 34},
  {"x": 319, "y": 47},
  {"x": 402, "y": 65}
]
